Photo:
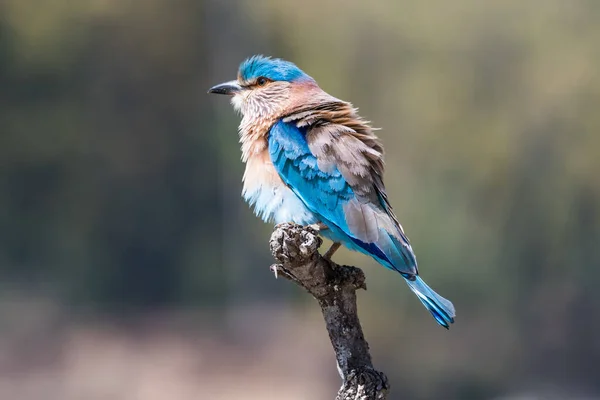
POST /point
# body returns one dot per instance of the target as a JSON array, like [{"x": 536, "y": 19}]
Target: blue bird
[{"x": 312, "y": 160}]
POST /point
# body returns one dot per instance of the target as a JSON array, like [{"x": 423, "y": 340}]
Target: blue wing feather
[
  {"x": 325, "y": 193},
  {"x": 322, "y": 192}
]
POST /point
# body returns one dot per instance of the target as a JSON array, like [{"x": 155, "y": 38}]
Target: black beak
[{"x": 228, "y": 88}]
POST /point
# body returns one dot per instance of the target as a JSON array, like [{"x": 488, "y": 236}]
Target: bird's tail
[{"x": 441, "y": 309}]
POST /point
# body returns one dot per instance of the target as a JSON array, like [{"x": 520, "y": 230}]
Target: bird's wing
[{"x": 337, "y": 175}]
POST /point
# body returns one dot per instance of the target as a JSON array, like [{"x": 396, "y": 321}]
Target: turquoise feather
[{"x": 325, "y": 193}]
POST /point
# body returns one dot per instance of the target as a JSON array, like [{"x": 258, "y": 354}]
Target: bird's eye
[{"x": 261, "y": 81}]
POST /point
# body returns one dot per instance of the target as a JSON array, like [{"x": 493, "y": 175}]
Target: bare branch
[{"x": 296, "y": 250}]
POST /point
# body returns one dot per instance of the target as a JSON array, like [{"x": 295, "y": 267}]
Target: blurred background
[{"x": 130, "y": 267}]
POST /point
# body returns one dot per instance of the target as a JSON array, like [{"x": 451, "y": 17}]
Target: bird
[{"x": 310, "y": 159}]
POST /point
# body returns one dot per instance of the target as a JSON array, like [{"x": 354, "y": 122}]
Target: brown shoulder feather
[
  {"x": 344, "y": 114},
  {"x": 339, "y": 138}
]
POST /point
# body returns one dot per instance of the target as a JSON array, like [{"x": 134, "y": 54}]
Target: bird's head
[{"x": 264, "y": 86}]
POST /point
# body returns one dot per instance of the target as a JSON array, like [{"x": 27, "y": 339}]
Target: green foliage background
[{"x": 120, "y": 177}]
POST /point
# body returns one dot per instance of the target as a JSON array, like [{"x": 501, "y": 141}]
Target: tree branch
[{"x": 296, "y": 250}]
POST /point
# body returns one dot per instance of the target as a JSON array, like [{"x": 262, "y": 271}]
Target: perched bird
[{"x": 312, "y": 160}]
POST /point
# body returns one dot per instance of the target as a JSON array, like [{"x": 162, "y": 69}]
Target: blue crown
[{"x": 274, "y": 69}]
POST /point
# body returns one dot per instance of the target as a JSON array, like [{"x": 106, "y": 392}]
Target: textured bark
[{"x": 296, "y": 250}]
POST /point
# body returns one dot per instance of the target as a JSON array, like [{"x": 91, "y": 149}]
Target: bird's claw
[
  {"x": 319, "y": 226},
  {"x": 279, "y": 270},
  {"x": 274, "y": 268},
  {"x": 293, "y": 242}
]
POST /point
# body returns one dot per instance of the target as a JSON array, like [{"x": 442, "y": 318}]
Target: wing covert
[{"x": 329, "y": 170}]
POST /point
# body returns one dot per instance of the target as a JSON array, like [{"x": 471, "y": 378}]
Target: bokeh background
[{"x": 130, "y": 268}]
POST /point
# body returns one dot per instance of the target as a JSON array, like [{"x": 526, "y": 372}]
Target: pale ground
[
  {"x": 169, "y": 361},
  {"x": 254, "y": 353}
]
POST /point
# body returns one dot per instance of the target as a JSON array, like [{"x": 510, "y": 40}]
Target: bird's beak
[{"x": 229, "y": 88}]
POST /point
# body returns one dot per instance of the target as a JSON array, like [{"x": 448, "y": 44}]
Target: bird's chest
[{"x": 272, "y": 200}]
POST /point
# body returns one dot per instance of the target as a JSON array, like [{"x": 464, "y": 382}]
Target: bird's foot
[
  {"x": 319, "y": 226},
  {"x": 329, "y": 253},
  {"x": 294, "y": 242},
  {"x": 293, "y": 245}
]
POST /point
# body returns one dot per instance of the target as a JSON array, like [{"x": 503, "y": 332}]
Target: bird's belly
[{"x": 278, "y": 204}]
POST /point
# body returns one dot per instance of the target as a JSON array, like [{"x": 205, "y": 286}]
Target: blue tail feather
[
  {"x": 389, "y": 252},
  {"x": 441, "y": 309}
]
